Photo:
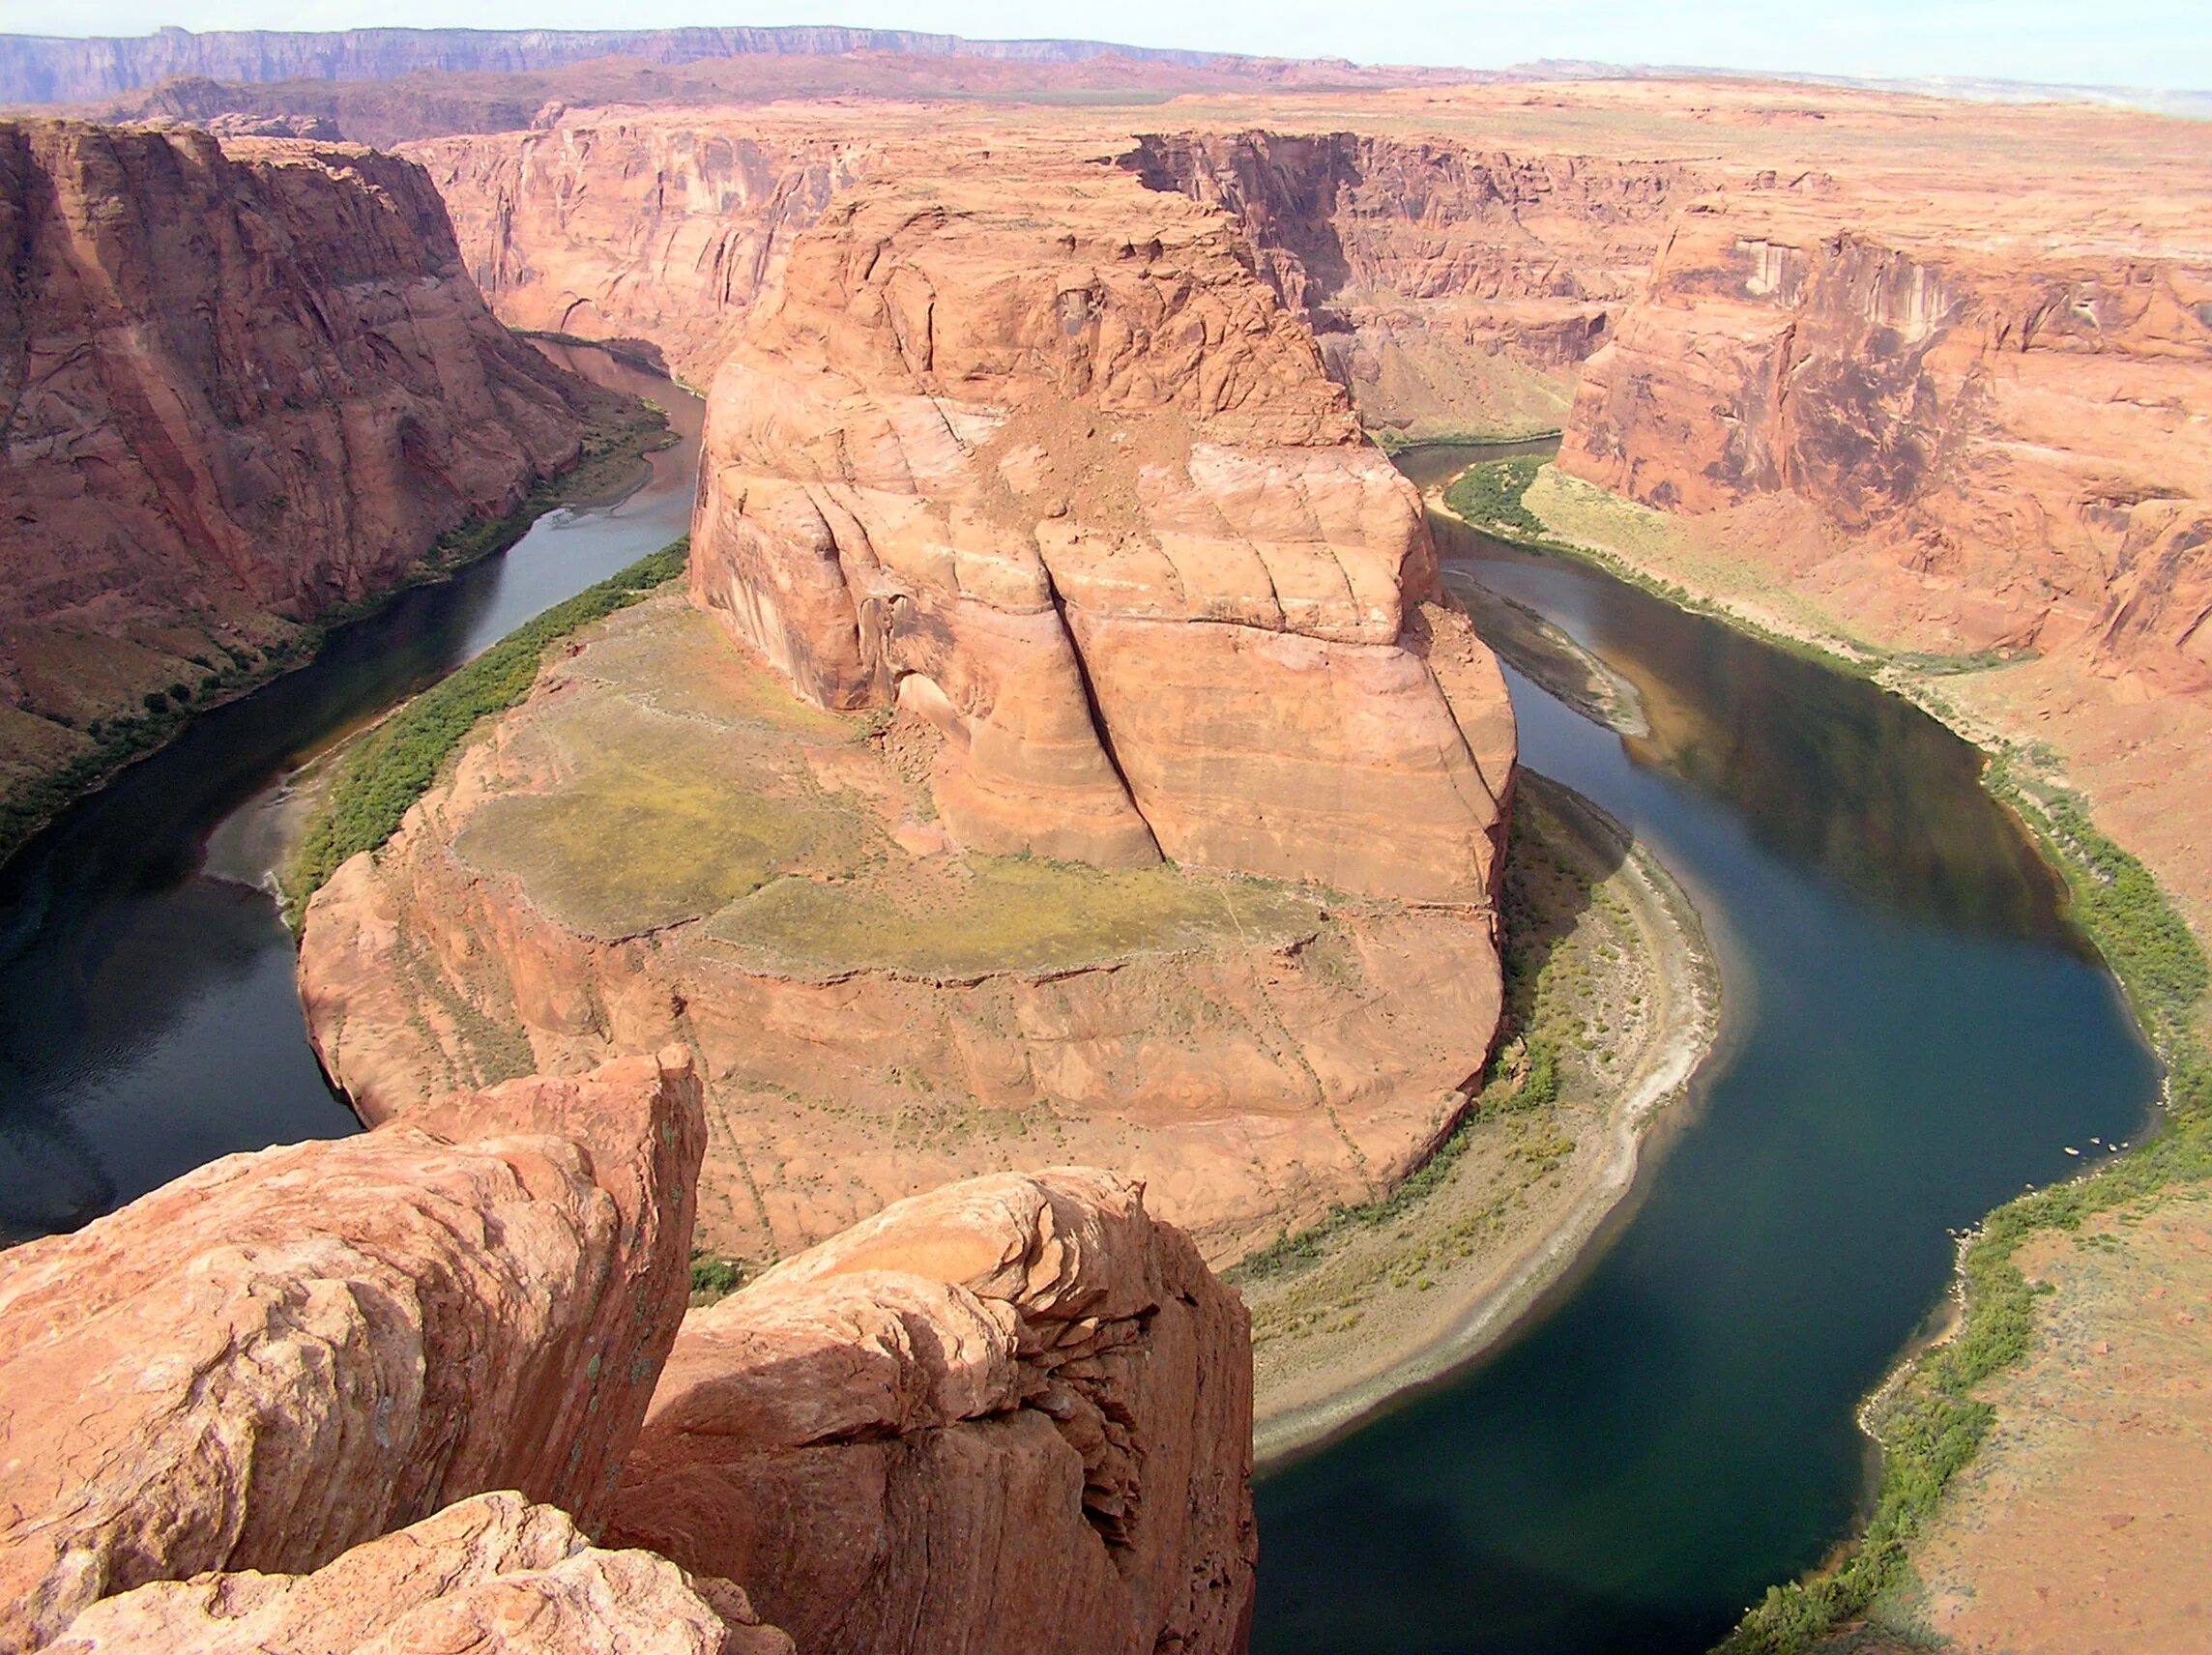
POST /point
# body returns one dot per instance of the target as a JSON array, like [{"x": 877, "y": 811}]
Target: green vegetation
[
  {"x": 394, "y": 765},
  {"x": 1491, "y": 497},
  {"x": 1929, "y": 1421},
  {"x": 1009, "y": 913},
  {"x": 1393, "y": 442},
  {"x": 714, "y": 1278}
]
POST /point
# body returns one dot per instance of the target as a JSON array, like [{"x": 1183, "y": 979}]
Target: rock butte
[
  {"x": 1059, "y": 517},
  {"x": 382, "y": 1393},
  {"x": 244, "y": 384}
]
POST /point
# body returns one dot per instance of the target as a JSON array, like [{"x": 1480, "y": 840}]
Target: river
[
  {"x": 1913, "y": 1034},
  {"x": 148, "y": 1017}
]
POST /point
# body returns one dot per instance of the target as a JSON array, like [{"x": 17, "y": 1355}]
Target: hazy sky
[{"x": 2138, "y": 43}]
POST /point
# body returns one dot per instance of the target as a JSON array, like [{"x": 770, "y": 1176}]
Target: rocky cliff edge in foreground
[{"x": 377, "y": 1393}]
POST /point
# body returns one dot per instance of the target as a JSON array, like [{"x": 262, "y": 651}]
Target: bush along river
[
  {"x": 149, "y": 1021},
  {"x": 1915, "y": 1032}
]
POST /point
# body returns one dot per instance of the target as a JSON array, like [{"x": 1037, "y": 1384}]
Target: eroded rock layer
[
  {"x": 288, "y": 1353},
  {"x": 243, "y": 384},
  {"x": 2016, "y": 449},
  {"x": 494, "y": 1575},
  {"x": 1011, "y": 1416},
  {"x": 1071, "y": 485}
]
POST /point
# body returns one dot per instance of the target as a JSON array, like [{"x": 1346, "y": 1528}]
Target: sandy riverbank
[{"x": 1621, "y": 984}]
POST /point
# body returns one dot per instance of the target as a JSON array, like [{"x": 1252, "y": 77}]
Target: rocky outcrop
[
  {"x": 1071, "y": 485},
  {"x": 1044, "y": 501},
  {"x": 494, "y": 1575},
  {"x": 1012, "y": 1415},
  {"x": 654, "y": 232},
  {"x": 244, "y": 385},
  {"x": 386, "y": 1394},
  {"x": 286, "y": 1354}
]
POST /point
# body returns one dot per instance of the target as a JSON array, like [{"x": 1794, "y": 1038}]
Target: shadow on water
[
  {"x": 148, "y": 1018},
  {"x": 1915, "y": 1035}
]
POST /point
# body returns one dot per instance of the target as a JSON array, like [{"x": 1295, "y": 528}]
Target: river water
[
  {"x": 148, "y": 1018},
  {"x": 1913, "y": 1034}
]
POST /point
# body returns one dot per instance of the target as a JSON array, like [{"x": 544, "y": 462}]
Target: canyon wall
[
  {"x": 2015, "y": 450},
  {"x": 50, "y": 70},
  {"x": 244, "y": 385},
  {"x": 387, "y": 1392},
  {"x": 656, "y": 232},
  {"x": 1453, "y": 288}
]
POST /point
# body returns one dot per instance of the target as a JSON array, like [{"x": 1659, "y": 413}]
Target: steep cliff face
[
  {"x": 2013, "y": 452},
  {"x": 1452, "y": 287},
  {"x": 647, "y": 229},
  {"x": 1012, "y": 1415},
  {"x": 386, "y": 1393},
  {"x": 1070, "y": 485},
  {"x": 243, "y": 385}
]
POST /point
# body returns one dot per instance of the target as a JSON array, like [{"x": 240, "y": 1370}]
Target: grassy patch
[
  {"x": 1929, "y": 1421},
  {"x": 654, "y": 825},
  {"x": 394, "y": 765},
  {"x": 1007, "y": 914},
  {"x": 1393, "y": 442}
]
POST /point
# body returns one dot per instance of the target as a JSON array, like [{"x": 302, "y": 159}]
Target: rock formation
[
  {"x": 1010, "y": 1415},
  {"x": 662, "y": 844},
  {"x": 244, "y": 385},
  {"x": 1056, "y": 517},
  {"x": 1072, "y": 486},
  {"x": 285, "y": 1354},
  {"x": 493, "y": 1575},
  {"x": 1454, "y": 288},
  {"x": 635, "y": 228},
  {"x": 383, "y": 1393},
  {"x": 2009, "y": 449}
]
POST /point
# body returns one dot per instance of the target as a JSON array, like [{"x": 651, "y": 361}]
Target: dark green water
[
  {"x": 148, "y": 1019},
  {"x": 1914, "y": 1033}
]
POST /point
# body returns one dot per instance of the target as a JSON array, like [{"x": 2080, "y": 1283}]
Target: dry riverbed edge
[{"x": 1403, "y": 1327}]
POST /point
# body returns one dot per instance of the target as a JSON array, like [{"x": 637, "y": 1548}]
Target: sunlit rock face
[{"x": 1063, "y": 477}]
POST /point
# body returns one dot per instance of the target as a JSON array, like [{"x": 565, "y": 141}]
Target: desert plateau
[{"x": 820, "y": 839}]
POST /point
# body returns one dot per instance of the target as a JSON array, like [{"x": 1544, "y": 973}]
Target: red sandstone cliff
[
  {"x": 637, "y": 228},
  {"x": 382, "y": 1393},
  {"x": 243, "y": 384},
  {"x": 1071, "y": 483},
  {"x": 2016, "y": 449},
  {"x": 1454, "y": 286}
]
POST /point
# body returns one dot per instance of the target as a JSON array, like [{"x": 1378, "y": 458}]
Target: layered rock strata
[
  {"x": 285, "y": 1354},
  {"x": 638, "y": 230},
  {"x": 1071, "y": 485},
  {"x": 243, "y": 384},
  {"x": 1024, "y": 1373},
  {"x": 1980, "y": 452},
  {"x": 1455, "y": 288}
]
